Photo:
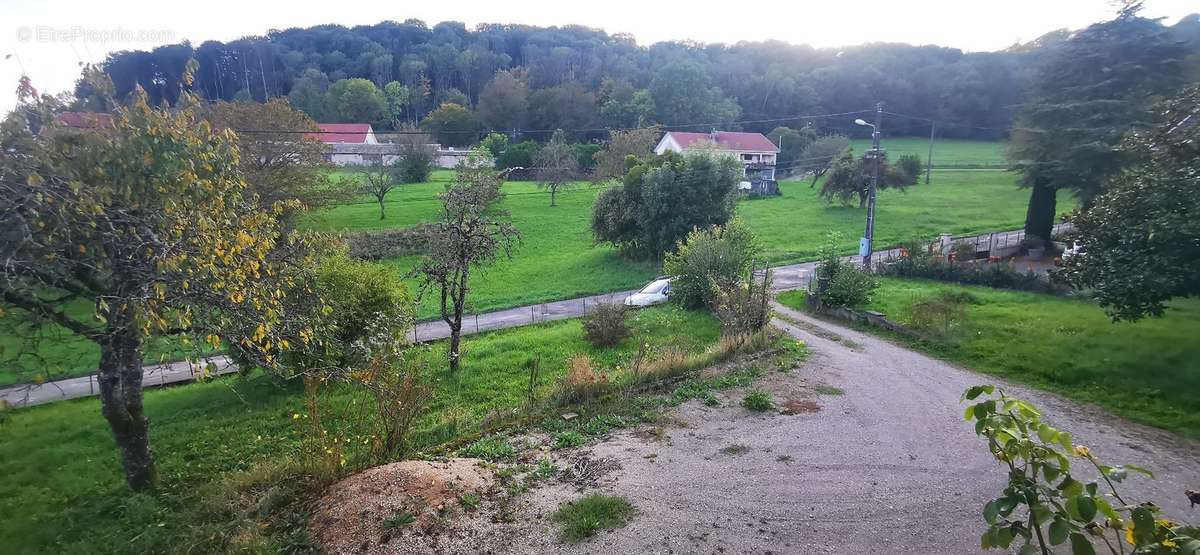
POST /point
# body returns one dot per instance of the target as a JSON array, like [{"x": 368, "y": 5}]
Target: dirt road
[{"x": 887, "y": 466}]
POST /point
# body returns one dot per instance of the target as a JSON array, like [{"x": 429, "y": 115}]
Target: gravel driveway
[{"x": 887, "y": 466}]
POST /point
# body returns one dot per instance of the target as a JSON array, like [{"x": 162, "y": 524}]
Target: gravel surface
[{"x": 887, "y": 466}]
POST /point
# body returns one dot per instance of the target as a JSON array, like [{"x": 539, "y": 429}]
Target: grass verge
[{"x": 1145, "y": 371}]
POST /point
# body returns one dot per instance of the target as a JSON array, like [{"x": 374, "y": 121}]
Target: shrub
[
  {"x": 1044, "y": 505},
  {"x": 708, "y": 260},
  {"x": 758, "y": 401},
  {"x": 1000, "y": 275},
  {"x": 584, "y": 517},
  {"x": 606, "y": 325},
  {"x": 583, "y": 381},
  {"x": 839, "y": 283},
  {"x": 743, "y": 309},
  {"x": 909, "y": 168},
  {"x": 401, "y": 396},
  {"x": 389, "y": 243},
  {"x": 963, "y": 251}
]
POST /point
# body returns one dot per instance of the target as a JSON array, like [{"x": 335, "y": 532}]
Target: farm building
[{"x": 754, "y": 150}]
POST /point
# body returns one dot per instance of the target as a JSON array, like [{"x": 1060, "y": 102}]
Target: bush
[
  {"x": 999, "y": 275},
  {"x": 606, "y": 325},
  {"x": 710, "y": 260},
  {"x": 743, "y": 309},
  {"x": 389, "y": 243},
  {"x": 842, "y": 284},
  {"x": 909, "y": 168},
  {"x": 583, "y": 381},
  {"x": 519, "y": 155}
]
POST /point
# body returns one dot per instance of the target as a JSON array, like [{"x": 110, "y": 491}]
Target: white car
[{"x": 655, "y": 292}]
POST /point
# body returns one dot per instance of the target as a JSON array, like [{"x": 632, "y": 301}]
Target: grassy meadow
[
  {"x": 60, "y": 484},
  {"x": 1145, "y": 371}
]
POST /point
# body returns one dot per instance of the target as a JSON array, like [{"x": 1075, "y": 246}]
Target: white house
[{"x": 756, "y": 152}]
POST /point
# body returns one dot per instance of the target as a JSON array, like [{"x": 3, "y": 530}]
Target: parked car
[{"x": 655, "y": 292}]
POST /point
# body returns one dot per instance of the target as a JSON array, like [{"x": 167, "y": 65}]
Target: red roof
[
  {"x": 342, "y": 132},
  {"x": 726, "y": 140},
  {"x": 85, "y": 120}
]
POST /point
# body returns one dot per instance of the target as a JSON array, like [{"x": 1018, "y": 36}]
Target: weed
[
  {"x": 493, "y": 448},
  {"x": 584, "y": 517},
  {"x": 399, "y": 520},
  {"x": 758, "y": 401},
  {"x": 829, "y": 390},
  {"x": 786, "y": 459},
  {"x": 735, "y": 450},
  {"x": 546, "y": 469},
  {"x": 470, "y": 501},
  {"x": 566, "y": 440}
]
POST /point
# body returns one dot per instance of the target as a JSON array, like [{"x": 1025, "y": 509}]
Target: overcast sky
[{"x": 48, "y": 39}]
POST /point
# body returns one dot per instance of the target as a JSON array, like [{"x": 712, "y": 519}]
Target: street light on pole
[{"x": 865, "y": 245}]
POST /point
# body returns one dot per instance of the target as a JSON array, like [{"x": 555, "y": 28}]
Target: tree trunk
[
  {"x": 455, "y": 339},
  {"x": 1039, "y": 218},
  {"x": 552, "y": 191},
  {"x": 120, "y": 378},
  {"x": 382, "y": 215}
]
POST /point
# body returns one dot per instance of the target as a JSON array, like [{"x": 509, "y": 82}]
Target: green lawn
[
  {"x": 1148, "y": 371},
  {"x": 557, "y": 259},
  {"x": 60, "y": 486},
  {"x": 946, "y": 152}
]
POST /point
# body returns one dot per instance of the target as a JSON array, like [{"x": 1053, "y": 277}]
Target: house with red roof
[
  {"x": 754, "y": 150},
  {"x": 339, "y": 133}
]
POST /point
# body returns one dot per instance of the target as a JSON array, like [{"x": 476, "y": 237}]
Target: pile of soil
[{"x": 406, "y": 507}]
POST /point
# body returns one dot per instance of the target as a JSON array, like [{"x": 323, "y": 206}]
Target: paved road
[
  {"x": 887, "y": 466},
  {"x": 785, "y": 277}
]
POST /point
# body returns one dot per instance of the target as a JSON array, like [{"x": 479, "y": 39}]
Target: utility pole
[
  {"x": 865, "y": 245},
  {"x": 929, "y": 159}
]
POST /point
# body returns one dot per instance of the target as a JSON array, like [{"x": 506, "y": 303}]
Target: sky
[{"x": 49, "y": 39}]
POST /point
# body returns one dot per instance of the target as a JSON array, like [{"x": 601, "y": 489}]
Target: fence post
[
  {"x": 532, "y": 315},
  {"x": 476, "y": 322},
  {"x": 91, "y": 387}
]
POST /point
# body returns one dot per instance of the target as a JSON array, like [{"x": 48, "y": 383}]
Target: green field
[
  {"x": 557, "y": 259},
  {"x": 946, "y": 152},
  {"x": 60, "y": 485},
  {"x": 1147, "y": 371}
]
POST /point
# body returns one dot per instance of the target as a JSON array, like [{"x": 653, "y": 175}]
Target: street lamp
[{"x": 865, "y": 246}]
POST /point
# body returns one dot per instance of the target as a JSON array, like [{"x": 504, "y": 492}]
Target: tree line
[{"x": 521, "y": 77}]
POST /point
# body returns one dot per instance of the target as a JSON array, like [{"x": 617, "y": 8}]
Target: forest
[{"x": 530, "y": 80}]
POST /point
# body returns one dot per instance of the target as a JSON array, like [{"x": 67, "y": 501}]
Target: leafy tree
[
  {"x": 417, "y": 157},
  {"x": 397, "y": 99},
  {"x": 791, "y": 143},
  {"x": 613, "y": 160},
  {"x": 683, "y": 93},
  {"x": 146, "y": 224},
  {"x": 850, "y": 177},
  {"x": 495, "y": 144},
  {"x": 585, "y": 156},
  {"x": 308, "y": 93},
  {"x": 664, "y": 198},
  {"x": 452, "y": 124},
  {"x": 565, "y": 106},
  {"x": 820, "y": 155},
  {"x": 354, "y": 101},
  {"x": 378, "y": 179},
  {"x": 279, "y": 165},
  {"x": 504, "y": 101},
  {"x": 1141, "y": 237},
  {"x": 710, "y": 260},
  {"x": 1092, "y": 89},
  {"x": 469, "y": 234},
  {"x": 520, "y": 155},
  {"x": 623, "y": 106},
  {"x": 909, "y": 168},
  {"x": 557, "y": 167}
]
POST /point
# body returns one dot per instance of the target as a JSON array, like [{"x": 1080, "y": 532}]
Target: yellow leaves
[
  {"x": 213, "y": 340},
  {"x": 259, "y": 333},
  {"x": 1129, "y": 535},
  {"x": 82, "y": 248},
  {"x": 237, "y": 297},
  {"x": 1083, "y": 451},
  {"x": 34, "y": 180}
]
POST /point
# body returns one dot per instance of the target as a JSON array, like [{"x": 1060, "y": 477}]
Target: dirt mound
[{"x": 405, "y": 507}]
